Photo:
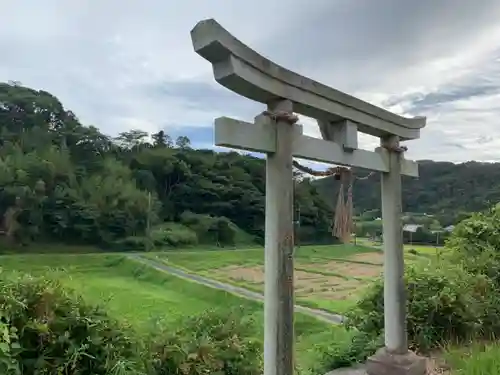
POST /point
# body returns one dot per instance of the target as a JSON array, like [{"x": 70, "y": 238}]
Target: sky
[{"x": 129, "y": 64}]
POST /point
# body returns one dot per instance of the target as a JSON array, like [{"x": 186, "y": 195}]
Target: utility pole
[
  {"x": 297, "y": 226},
  {"x": 296, "y": 217},
  {"x": 148, "y": 224}
]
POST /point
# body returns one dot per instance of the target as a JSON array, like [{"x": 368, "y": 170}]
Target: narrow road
[{"x": 240, "y": 292}]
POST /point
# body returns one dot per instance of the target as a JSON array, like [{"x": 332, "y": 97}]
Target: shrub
[
  {"x": 478, "y": 233},
  {"x": 475, "y": 243},
  {"x": 212, "y": 343},
  {"x": 444, "y": 302},
  {"x": 174, "y": 235},
  {"x": 46, "y": 330},
  {"x": 164, "y": 235},
  {"x": 310, "y": 235},
  {"x": 362, "y": 346},
  {"x": 425, "y": 236},
  {"x": 132, "y": 243},
  {"x": 210, "y": 229},
  {"x": 371, "y": 228}
]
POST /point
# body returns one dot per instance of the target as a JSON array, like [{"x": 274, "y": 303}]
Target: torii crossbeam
[{"x": 340, "y": 117}]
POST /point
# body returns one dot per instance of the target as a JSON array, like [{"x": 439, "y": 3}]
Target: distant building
[{"x": 412, "y": 228}]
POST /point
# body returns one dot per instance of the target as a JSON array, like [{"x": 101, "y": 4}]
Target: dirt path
[{"x": 241, "y": 292}]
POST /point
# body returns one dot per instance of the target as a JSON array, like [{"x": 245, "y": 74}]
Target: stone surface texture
[
  {"x": 247, "y": 73},
  {"x": 386, "y": 363},
  {"x": 358, "y": 370},
  {"x": 261, "y": 137}
]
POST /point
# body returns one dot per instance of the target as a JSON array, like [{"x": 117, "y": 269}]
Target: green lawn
[{"x": 140, "y": 295}]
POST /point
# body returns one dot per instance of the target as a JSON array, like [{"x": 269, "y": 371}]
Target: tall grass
[{"x": 478, "y": 359}]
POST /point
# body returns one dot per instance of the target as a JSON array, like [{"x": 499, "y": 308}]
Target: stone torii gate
[{"x": 275, "y": 133}]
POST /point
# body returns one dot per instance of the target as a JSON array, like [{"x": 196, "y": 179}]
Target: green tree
[
  {"x": 161, "y": 139},
  {"x": 183, "y": 142}
]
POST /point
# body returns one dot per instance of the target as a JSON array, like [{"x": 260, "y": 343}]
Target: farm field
[
  {"x": 330, "y": 277},
  {"x": 421, "y": 249},
  {"x": 141, "y": 296}
]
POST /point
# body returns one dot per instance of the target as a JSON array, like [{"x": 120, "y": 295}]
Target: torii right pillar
[{"x": 394, "y": 358}]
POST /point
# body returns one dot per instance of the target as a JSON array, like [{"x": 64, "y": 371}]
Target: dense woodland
[{"x": 65, "y": 182}]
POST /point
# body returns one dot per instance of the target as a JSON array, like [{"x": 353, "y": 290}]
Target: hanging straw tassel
[
  {"x": 343, "y": 219},
  {"x": 339, "y": 213},
  {"x": 349, "y": 224}
]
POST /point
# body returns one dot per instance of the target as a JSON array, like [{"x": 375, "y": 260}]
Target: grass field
[
  {"x": 328, "y": 277},
  {"x": 141, "y": 296}
]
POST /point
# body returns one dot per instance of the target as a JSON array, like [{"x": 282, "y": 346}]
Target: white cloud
[{"x": 123, "y": 65}]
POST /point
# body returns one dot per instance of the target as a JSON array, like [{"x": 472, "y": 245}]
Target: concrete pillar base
[{"x": 387, "y": 363}]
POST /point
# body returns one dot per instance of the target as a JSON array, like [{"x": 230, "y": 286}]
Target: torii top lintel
[{"x": 247, "y": 73}]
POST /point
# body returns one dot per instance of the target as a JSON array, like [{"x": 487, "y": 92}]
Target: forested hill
[
  {"x": 446, "y": 189},
  {"x": 65, "y": 182}
]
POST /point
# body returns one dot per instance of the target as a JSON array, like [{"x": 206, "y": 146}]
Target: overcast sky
[{"x": 129, "y": 64}]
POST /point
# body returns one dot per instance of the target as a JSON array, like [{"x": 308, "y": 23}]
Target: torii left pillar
[{"x": 279, "y": 280}]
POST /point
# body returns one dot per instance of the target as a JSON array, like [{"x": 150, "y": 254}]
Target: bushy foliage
[
  {"x": 444, "y": 302},
  {"x": 219, "y": 342},
  {"x": 426, "y": 236},
  {"x": 46, "y": 330},
  {"x": 132, "y": 243},
  {"x": 477, "y": 234},
  {"x": 475, "y": 244},
  {"x": 210, "y": 229},
  {"x": 173, "y": 235},
  {"x": 362, "y": 345},
  {"x": 372, "y": 228}
]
